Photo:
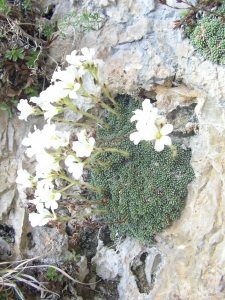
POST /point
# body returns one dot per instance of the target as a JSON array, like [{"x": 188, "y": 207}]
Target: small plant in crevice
[
  {"x": 85, "y": 21},
  {"x": 204, "y": 24},
  {"x": 53, "y": 275},
  {"x": 146, "y": 190}
]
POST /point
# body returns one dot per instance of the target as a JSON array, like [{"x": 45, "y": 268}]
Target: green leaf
[
  {"x": 4, "y": 106},
  {"x": 184, "y": 12},
  {"x": 21, "y": 56}
]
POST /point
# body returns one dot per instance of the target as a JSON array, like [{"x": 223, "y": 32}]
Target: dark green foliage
[
  {"x": 208, "y": 36},
  {"x": 148, "y": 188}
]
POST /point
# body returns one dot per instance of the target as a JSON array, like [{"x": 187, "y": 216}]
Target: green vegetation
[
  {"x": 14, "y": 54},
  {"x": 146, "y": 191},
  {"x": 76, "y": 257},
  {"x": 208, "y": 36},
  {"x": 4, "y": 8},
  {"x": 53, "y": 275},
  {"x": 84, "y": 22}
]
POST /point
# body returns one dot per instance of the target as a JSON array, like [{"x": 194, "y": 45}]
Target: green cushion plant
[
  {"x": 207, "y": 35},
  {"x": 145, "y": 191}
]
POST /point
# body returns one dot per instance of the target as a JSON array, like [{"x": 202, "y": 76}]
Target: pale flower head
[
  {"x": 54, "y": 138},
  {"x": 88, "y": 54},
  {"x": 37, "y": 100},
  {"x": 74, "y": 166},
  {"x": 50, "y": 111},
  {"x": 41, "y": 218},
  {"x": 147, "y": 115},
  {"x": 141, "y": 134},
  {"x": 83, "y": 147},
  {"x": 34, "y": 140},
  {"x": 26, "y": 109},
  {"x": 160, "y": 136},
  {"x": 74, "y": 59},
  {"x": 48, "y": 196},
  {"x": 25, "y": 179},
  {"x": 53, "y": 94}
]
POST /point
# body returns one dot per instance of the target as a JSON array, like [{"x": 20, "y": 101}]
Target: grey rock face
[{"x": 145, "y": 57}]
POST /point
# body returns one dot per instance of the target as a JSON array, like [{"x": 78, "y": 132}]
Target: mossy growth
[
  {"x": 208, "y": 36},
  {"x": 145, "y": 190}
]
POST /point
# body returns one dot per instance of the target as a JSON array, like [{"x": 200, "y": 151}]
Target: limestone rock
[
  {"x": 145, "y": 57},
  {"x": 6, "y": 201},
  {"x": 48, "y": 243}
]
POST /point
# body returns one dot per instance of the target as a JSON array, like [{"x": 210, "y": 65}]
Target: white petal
[
  {"x": 91, "y": 141},
  {"x": 166, "y": 140},
  {"x": 152, "y": 131},
  {"x": 135, "y": 137},
  {"x": 168, "y": 128},
  {"x": 79, "y": 171},
  {"x": 159, "y": 146},
  {"x": 54, "y": 205},
  {"x": 147, "y": 106}
]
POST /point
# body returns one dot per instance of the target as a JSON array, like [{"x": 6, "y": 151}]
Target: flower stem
[
  {"x": 76, "y": 109},
  {"x": 76, "y": 182},
  {"x": 72, "y": 123},
  {"x": 83, "y": 199},
  {"x": 93, "y": 72},
  {"x": 100, "y": 150},
  {"x": 174, "y": 150},
  {"x": 95, "y": 211},
  {"x": 67, "y": 187},
  {"x": 84, "y": 93}
]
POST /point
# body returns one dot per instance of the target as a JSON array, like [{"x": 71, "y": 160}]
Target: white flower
[
  {"x": 37, "y": 100},
  {"x": 25, "y": 179},
  {"x": 75, "y": 59},
  {"x": 54, "y": 138},
  {"x": 74, "y": 167},
  {"x": 88, "y": 54},
  {"x": 78, "y": 72},
  {"x": 160, "y": 136},
  {"x": 45, "y": 183},
  {"x": 48, "y": 196},
  {"x": 147, "y": 115},
  {"x": 152, "y": 132},
  {"x": 82, "y": 147},
  {"x": 26, "y": 109},
  {"x": 67, "y": 83},
  {"x": 141, "y": 134},
  {"x": 85, "y": 60},
  {"x": 45, "y": 169},
  {"x": 42, "y": 218},
  {"x": 53, "y": 94},
  {"x": 50, "y": 111},
  {"x": 34, "y": 140}
]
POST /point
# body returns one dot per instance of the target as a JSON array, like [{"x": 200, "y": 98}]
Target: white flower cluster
[
  {"x": 51, "y": 148},
  {"x": 65, "y": 86},
  {"x": 151, "y": 126}
]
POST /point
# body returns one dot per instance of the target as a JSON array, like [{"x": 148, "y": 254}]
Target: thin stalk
[
  {"x": 97, "y": 211},
  {"x": 83, "y": 199},
  {"x": 100, "y": 150},
  {"x": 93, "y": 72},
  {"x": 76, "y": 109},
  {"x": 84, "y": 93},
  {"x": 66, "y": 188},
  {"x": 72, "y": 123},
  {"x": 90, "y": 159},
  {"x": 76, "y": 182}
]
